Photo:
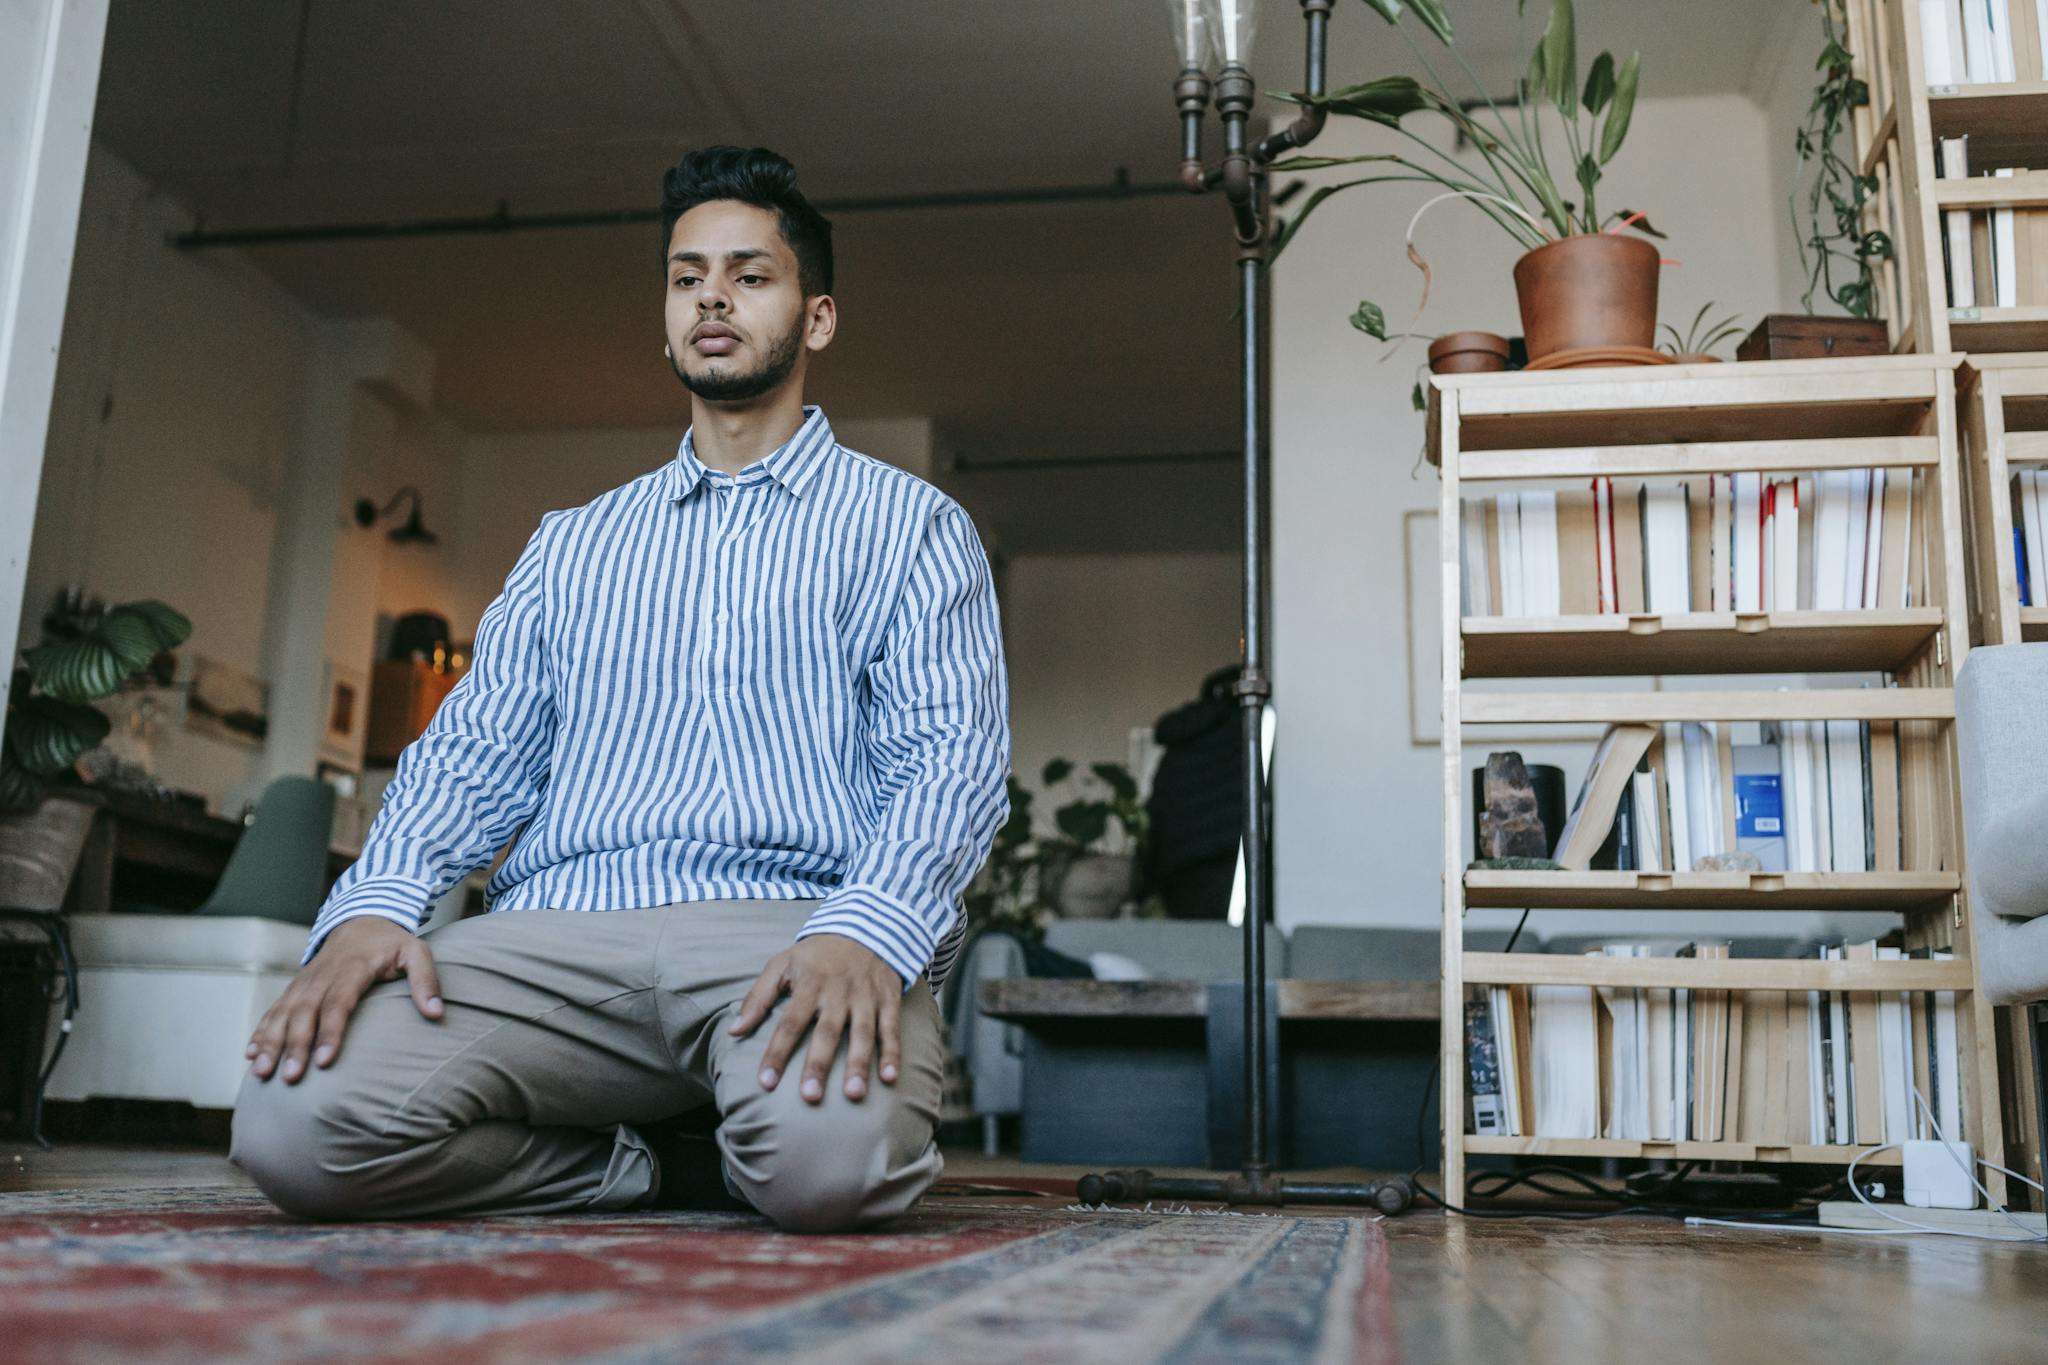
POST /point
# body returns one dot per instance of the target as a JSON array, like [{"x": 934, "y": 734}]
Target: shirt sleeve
[
  {"x": 939, "y": 742},
  {"x": 475, "y": 774}
]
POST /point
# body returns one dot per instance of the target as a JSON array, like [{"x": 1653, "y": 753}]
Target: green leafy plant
[
  {"x": 1508, "y": 175},
  {"x": 1084, "y": 823},
  {"x": 1827, "y": 214},
  {"x": 1004, "y": 895},
  {"x": 89, "y": 652},
  {"x": 1700, "y": 337}
]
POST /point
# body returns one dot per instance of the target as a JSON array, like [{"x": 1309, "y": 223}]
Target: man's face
[{"x": 736, "y": 316}]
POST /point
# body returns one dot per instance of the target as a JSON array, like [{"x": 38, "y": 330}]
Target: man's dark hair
[{"x": 757, "y": 176}]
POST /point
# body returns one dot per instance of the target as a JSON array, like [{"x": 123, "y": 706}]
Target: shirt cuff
[
  {"x": 399, "y": 907},
  {"x": 880, "y": 923}
]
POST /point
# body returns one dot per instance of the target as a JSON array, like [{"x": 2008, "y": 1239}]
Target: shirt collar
[{"x": 792, "y": 464}]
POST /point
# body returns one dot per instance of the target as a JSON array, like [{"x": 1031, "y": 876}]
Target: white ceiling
[{"x": 1099, "y": 327}]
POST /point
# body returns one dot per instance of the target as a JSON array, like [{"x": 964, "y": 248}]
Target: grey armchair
[{"x": 2002, "y": 748}]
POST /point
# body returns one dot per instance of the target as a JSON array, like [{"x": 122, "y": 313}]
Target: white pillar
[
  {"x": 348, "y": 361},
  {"x": 49, "y": 76}
]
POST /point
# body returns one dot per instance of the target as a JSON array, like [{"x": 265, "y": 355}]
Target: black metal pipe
[
  {"x": 505, "y": 221},
  {"x": 1252, "y": 691},
  {"x": 1309, "y": 123}
]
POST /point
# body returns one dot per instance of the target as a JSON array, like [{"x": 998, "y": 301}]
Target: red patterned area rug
[{"x": 220, "y": 1275}]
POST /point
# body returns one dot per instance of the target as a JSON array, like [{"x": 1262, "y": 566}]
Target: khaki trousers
[{"x": 562, "y": 1030}]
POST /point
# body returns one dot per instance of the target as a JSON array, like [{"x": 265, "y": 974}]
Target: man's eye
[
  {"x": 750, "y": 277},
  {"x": 685, "y": 279}
]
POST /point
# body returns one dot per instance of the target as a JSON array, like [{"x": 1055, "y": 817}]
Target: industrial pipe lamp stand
[{"x": 1243, "y": 178}]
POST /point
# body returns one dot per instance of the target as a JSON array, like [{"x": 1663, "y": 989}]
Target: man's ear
[{"x": 824, "y": 322}]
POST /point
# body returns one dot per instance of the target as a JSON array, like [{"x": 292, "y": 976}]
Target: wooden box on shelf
[
  {"x": 1795, "y": 336},
  {"x": 1892, "y": 412},
  {"x": 404, "y": 694}
]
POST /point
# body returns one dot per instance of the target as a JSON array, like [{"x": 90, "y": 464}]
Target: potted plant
[
  {"x": 1583, "y": 281},
  {"x": 1004, "y": 896},
  {"x": 89, "y": 652},
  {"x": 1695, "y": 345},
  {"x": 1087, "y": 871}
]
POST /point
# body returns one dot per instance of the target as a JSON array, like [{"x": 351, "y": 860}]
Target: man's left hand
[{"x": 837, "y": 988}]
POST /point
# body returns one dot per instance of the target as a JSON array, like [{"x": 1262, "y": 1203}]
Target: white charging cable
[{"x": 1907, "y": 1226}]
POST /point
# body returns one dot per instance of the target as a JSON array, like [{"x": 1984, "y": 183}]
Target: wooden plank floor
[{"x": 1463, "y": 1290}]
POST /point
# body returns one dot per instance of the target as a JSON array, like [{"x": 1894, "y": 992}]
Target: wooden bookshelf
[
  {"x": 1896, "y": 140},
  {"x": 1896, "y": 411},
  {"x": 2004, "y": 412}
]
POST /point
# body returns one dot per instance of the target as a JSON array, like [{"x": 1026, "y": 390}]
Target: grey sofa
[{"x": 2002, "y": 750}]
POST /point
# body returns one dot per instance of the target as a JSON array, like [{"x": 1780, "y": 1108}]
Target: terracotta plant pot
[
  {"x": 1593, "y": 289},
  {"x": 1696, "y": 358},
  {"x": 1468, "y": 353}
]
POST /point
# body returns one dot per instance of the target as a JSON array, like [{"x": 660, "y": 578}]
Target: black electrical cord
[{"x": 1436, "y": 1074}]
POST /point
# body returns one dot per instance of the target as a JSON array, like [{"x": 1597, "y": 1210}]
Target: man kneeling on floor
[{"x": 752, "y": 707}]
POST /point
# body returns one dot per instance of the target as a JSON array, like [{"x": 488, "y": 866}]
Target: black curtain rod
[{"x": 504, "y": 220}]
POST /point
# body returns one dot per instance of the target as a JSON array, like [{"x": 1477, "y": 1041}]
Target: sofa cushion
[
  {"x": 210, "y": 941},
  {"x": 1171, "y": 950}
]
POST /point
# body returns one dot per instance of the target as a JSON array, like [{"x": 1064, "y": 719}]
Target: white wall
[
  {"x": 49, "y": 74},
  {"x": 1100, "y": 644},
  {"x": 1356, "y": 803}
]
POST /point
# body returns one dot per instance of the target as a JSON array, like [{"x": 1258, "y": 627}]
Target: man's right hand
[{"x": 314, "y": 1010}]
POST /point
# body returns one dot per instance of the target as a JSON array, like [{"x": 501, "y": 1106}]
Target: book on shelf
[
  {"x": 1837, "y": 540},
  {"x": 1982, "y": 42},
  {"x": 1996, "y": 257},
  {"x": 1802, "y": 796},
  {"x": 2029, "y": 493},
  {"x": 1671, "y": 1064}
]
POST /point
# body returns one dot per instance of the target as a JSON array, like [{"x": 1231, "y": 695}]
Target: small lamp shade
[
  {"x": 1193, "y": 35},
  {"x": 1233, "y": 23}
]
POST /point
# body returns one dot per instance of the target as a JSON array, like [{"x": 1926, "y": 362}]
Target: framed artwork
[{"x": 345, "y": 712}]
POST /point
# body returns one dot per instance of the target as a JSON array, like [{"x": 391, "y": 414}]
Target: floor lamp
[{"x": 1209, "y": 33}]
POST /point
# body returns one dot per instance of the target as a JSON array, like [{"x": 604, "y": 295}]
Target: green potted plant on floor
[
  {"x": 1004, "y": 895},
  {"x": 89, "y": 652},
  {"x": 1584, "y": 282}
]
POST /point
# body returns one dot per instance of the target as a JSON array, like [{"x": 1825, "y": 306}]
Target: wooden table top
[{"x": 1022, "y": 998}]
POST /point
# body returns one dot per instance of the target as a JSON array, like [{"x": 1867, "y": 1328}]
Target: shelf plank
[
  {"x": 2024, "y": 190},
  {"x": 1700, "y": 457},
  {"x": 1800, "y": 1153},
  {"x": 1890, "y": 891},
  {"x": 1724, "y": 973},
  {"x": 1999, "y": 329},
  {"x": 1751, "y": 401},
  {"x": 2026, "y": 447},
  {"x": 1625, "y": 645},
  {"x": 2007, "y": 123},
  {"x": 1581, "y": 708},
  {"x": 2034, "y": 623}
]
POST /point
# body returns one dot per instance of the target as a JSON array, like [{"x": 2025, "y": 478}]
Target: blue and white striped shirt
[{"x": 779, "y": 684}]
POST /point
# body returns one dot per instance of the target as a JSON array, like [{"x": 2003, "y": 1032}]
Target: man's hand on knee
[
  {"x": 313, "y": 1012},
  {"x": 837, "y": 988}
]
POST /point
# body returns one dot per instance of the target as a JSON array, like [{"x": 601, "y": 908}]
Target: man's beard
[{"x": 736, "y": 388}]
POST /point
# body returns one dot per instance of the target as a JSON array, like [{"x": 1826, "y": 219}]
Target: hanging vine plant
[{"x": 1827, "y": 214}]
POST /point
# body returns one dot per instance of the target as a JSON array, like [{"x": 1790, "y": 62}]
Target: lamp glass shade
[
  {"x": 1233, "y": 24},
  {"x": 1193, "y": 34}
]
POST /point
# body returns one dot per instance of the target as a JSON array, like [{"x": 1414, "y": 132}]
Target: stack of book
[
  {"x": 1836, "y": 540},
  {"x": 2030, "y": 534},
  {"x": 1983, "y": 42},
  {"x": 1799, "y": 796},
  {"x": 1674, "y": 1065}
]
